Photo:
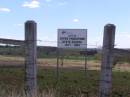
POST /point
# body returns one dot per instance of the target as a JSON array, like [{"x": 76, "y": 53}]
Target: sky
[{"x": 51, "y": 15}]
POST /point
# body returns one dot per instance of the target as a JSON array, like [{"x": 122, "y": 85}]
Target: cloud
[
  {"x": 32, "y": 4},
  {"x": 48, "y": 0},
  {"x": 20, "y": 25},
  {"x": 75, "y": 20},
  {"x": 62, "y": 3},
  {"x": 4, "y": 9}
]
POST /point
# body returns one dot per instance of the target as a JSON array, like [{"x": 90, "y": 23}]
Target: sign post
[{"x": 72, "y": 39}]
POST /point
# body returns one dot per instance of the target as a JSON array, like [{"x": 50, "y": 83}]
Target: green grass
[
  {"x": 70, "y": 82},
  {"x": 79, "y": 57}
]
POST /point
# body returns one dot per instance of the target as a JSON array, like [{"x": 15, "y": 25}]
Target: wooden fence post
[
  {"x": 107, "y": 58},
  {"x": 30, "y": 58}
]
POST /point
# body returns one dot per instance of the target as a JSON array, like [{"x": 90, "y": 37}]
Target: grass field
[
  {"x": 92, "y": 64},
  {"x": 73, "y": 82},
  {"x": 48, "y": 62}
]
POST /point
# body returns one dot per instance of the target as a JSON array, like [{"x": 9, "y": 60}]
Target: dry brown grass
[
  {"x": 43, "y": 94},
  {"x": 14, "y": 94},
  {"x": 46, "y": 62}
]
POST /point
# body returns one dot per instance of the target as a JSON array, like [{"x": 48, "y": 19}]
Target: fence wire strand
[{"x": 7, "y": 59}]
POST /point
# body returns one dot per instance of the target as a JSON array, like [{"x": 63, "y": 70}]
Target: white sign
[{"x": 72, "y": 38}]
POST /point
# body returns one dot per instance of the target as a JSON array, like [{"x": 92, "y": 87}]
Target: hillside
[{"x": 43, "y": 51}]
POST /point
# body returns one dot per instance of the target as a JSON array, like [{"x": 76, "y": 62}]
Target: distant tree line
[{"x": 43, "y": 51}]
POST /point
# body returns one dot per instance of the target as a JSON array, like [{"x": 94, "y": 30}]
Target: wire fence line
[
  {"x": 89, "y": 93},
  {"x": 54, "y": 44},
  {"x": 101, "y": 78}
]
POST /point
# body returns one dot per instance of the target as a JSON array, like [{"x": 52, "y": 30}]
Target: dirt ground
[{"x": 52, "y": 63}]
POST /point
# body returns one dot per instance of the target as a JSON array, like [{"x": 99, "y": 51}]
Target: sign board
[{"x": 72, "y": 38}]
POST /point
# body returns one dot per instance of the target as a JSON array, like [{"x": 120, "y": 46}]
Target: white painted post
[
  {"x": 107, "y": 58},
  {"x": 30, "y": 58}
]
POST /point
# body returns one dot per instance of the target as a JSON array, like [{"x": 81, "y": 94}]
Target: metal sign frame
[
  {"x": 72, "y": 38},
  {"x": 66, "y": 40}
]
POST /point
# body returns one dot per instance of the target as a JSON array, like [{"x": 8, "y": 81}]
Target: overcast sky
[{"x": 53, "y": 14}]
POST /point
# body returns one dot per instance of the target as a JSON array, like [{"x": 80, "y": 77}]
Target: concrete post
[
  {"x": 107, "y": 58},
  {"x": 30, "y": 58}
]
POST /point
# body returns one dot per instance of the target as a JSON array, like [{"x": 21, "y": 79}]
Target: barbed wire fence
[
  {"x": 8, "y": 60},
  {"x": 18, "y": 63}
]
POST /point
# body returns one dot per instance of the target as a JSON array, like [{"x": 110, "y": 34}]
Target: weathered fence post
[
  {"x": 107, "y": 58},
  {"x": 30, "y": 58}
]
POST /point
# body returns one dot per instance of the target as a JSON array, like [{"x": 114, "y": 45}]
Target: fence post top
[
  {"x": 30, "y": 21},
  {"x": 110, "y": 25}
]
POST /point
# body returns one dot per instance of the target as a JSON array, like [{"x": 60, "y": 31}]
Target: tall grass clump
[
  {"x": 21, "y": 93},
  {"x": 50, "y": 93}
]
